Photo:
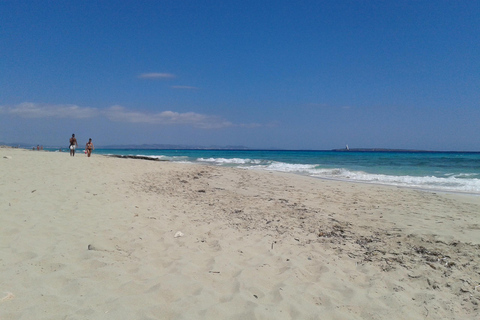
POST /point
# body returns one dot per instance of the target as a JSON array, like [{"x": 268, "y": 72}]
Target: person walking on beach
[
  {"x": 73, "y": 145},
  {"x": 89, "y": 147}
]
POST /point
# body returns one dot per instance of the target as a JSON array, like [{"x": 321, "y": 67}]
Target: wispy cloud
[
  {"x": 35, "y": 110},
  {"x": 155, "y": 75},
  {"x": 184, "y": 87},
  {"x": 250, "y": 125},
  {"x": 119, "y": 113}
]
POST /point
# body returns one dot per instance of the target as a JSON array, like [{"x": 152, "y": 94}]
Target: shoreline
[
  {"x": 255, "y": 244},
  {"x": 433, "y": 190}
]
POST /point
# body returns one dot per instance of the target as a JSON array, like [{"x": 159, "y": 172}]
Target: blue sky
[{"x": 262, "y": 74}]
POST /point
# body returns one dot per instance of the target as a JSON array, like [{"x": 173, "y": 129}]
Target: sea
[{"x": 457, "y": 172}]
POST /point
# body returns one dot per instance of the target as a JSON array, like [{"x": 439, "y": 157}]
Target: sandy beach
[{"x": 109, "y": 238}]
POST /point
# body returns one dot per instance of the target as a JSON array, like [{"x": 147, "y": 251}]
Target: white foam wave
[
  {"x": 221, "y": 161},
  {"x": 289, "y": 167},
  {"x": 452, "y": 183},
  {"x": 163, "y": 157},
  {"x": 465, "y": 175}
]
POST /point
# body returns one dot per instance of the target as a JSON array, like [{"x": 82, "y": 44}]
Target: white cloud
[
  {"x": 119, "y": 113},
  {"x": 155, "y": 75},
  {"x": 35, "y": 110},
  {"x": 250, "y": 125}
]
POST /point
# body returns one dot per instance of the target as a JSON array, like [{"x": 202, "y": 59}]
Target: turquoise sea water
[{"x": 446, "y": 171}]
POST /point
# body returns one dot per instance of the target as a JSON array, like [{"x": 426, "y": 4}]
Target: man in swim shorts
[
  {"x": 89, "y": 147},
  {"x": 73, "y": 145}
]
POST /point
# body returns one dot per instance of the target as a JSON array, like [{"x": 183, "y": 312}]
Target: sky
[{"x": 260, "y": 74}]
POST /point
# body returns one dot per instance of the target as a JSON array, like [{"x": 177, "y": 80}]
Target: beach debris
[
  {"x": 9, "y": 296},
  {"x": 91, "y": 247},
  {"x": 431, "y": 257},
  {"x": 178, "y": 234},
  {"x": 201, "y": 191},
  {"x": 431, "y": 266},
  {"x": 363, "y": 241},
  {"x": 7, "y": 157},
  {"x": 337, "y": 231},
  {"x": 213, "y": 271}
]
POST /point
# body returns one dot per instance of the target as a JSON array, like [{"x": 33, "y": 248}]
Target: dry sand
[{"x": 94, "y": 238}]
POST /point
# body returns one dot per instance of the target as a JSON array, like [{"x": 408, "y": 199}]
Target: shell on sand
[{"x": 9, "y": 296}]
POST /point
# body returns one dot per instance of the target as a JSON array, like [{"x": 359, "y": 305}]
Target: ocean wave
[
  {"x": 462, "y": 175},
  {"x": 166, "y": 158},
  {"x": 457, "y": 182},
  {"x": 223, "y": 161},
  {"x": 452, "y": 183},
  {"x": 291, "y": 167}
]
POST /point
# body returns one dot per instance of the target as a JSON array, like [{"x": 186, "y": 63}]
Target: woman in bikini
[{"x": 89, "y": 147}]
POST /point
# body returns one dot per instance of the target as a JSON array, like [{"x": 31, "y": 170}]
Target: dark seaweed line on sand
[{"x": 135, "y": 157}]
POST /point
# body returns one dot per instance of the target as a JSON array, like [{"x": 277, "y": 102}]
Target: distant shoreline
[
  {"x": 163, "y": 147},
  {"x": 297, "y": 150},
  {"x": 397, "y": 150}
]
